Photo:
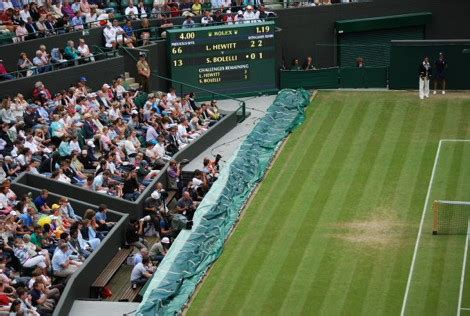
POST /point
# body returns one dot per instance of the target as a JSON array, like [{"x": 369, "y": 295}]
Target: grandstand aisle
[{"x": 229, "y": 143}]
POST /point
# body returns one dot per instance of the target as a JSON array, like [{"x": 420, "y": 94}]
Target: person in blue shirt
[
  {"x": 128, "y": 29},
  {"x": 101, "y": 218},
  {"x": 62, "y": 265},
  {"x": 41, "y": 202},
  {"x": 144, "y": 253},
  {"x": 27, "y": 218},
  {"x": 65, "y": 151}
]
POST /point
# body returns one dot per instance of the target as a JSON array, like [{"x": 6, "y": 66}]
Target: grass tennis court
[{"x": 333, "y": 226}]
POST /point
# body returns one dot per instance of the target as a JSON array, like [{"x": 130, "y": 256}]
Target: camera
[{"x": 184, "y": 162}]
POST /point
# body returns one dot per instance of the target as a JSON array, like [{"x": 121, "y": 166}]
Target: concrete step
[{"x": 129, "y": 80}]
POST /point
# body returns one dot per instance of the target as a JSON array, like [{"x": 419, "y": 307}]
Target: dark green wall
[
  {"x": 96, "y": 73},
  {"x": 333, "y": 78},
  {"x": 310, "y": 30},
  {"x": 373, "y": 46},
  {"x": 406, "y": 56}
]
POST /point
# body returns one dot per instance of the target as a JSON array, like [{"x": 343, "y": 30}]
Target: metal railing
[
  {"x": 65, "y": 63},
  {"x": 152, "y": 16},
  {"x": 241, "y": 103}
]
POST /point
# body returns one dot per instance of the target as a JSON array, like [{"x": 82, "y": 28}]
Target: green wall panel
[
  {"x": 406, "y": 56},
  {"x": 373, "y": 46},
  {"x": 367, "y": 77},
  {"x": 383, "y": 22},
  {"x": 312, "y": 79},
  {"x": 376, "y": 77}
]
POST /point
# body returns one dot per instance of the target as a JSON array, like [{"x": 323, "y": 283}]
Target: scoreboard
[{"x": 228, "y": 59}]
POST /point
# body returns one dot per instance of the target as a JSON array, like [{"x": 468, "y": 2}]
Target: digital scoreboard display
[{"x": 228, "y": 59}]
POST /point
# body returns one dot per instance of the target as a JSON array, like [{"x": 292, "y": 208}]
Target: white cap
[
  {"x": 165, "y": 240},
  {"x": 91, "y": 144},
  {"x": 155, "y": 195}
]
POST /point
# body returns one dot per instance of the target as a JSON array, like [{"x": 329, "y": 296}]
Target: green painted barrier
[
  {"x": 310, "y": 79},
  {"x": 333, "y": 78},
  {"x": 407, "y": 55}
]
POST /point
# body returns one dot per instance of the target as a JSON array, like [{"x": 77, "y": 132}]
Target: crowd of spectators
[
  {"x": 114, "y": 140},
  {"x": 166, "y": 222},
  {"x": 27, "y": 20},
  {"x": 45, "y": 61},
  {"x": 42, "y": 242}
]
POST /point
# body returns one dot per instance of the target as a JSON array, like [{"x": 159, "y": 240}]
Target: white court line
[
  {"x": 464, "y": 265},
  {"x": 455, "y": 140},
  {"x": 418, "y": 238},
  {"x": 465, "y": 308}
]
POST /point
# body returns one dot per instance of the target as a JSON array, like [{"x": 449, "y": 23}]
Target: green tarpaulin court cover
[{"x": 194, "y": 251}]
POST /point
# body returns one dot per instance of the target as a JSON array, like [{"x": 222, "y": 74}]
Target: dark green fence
[
  {"x": 333, "y": 78},
  {"x": 407, "y": 55},
  {"x": 311, "y": 79}
]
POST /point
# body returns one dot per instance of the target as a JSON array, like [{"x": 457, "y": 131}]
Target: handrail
[
  {"x": 195, "y": 25},
  {"x": 54, "y": 66},
  {"x": 95, "y": 24}
]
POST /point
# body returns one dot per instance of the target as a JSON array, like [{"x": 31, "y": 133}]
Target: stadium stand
[{"x": 106, "y": 136}]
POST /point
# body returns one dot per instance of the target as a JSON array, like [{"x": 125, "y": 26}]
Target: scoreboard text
[{"x": 228, "y": 59}]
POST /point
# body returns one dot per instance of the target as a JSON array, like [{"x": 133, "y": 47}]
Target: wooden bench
[
  {"x": 108, "y": 272},
  {"x": 170, "y": 197},
  {"x": 129, "y": 294}
]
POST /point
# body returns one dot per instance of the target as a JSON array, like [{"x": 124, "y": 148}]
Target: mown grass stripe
[
  {"x": 278, "y": 214},
  {"x": 300, "y": 204},
  {"x": 274, "y": 179},
  {"x": 402, "y": 148},
  {"x": 401, "y": 176},
  {"x": 347, "y": 207},
  {"x": 356, "y": 196},
  {"x": 421, "y": 165},
  {"x": 308, "y": 223},
  {"x": 424, "y": 265}
]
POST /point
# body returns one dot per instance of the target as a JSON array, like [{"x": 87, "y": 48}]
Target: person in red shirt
[
  {"x": 4, "y": 74},
  {"x": 41, "y": 92}
]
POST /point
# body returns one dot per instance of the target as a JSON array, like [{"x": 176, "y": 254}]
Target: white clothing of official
[{"x": 423, "y": 87}]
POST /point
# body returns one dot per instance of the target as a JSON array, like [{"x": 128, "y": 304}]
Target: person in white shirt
[
  {"x": 84, "y": 50},
  {"x": 74, "y": 144},
  {"x": 131, "y": 9},
  {"x": 171, "y": 96},
  {"x": 109, "y": 33},
  {"x": 250, "y": 16},
  {"x": 24, "y": 14},
  {"x": 141, "y": 9},
  {"x": 121, "y": 35},
  {"x": 207, "y": 18},
  {"x": 92, "y": 18}
]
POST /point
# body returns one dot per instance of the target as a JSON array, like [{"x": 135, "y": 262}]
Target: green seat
[
  {"x": 124, "y": 5},
  {"x": 141, "y": 99},
  {"x": 6, "y": 38},
  {"x": 148, "y": 4},
  {"x": 113, "y": 5}
]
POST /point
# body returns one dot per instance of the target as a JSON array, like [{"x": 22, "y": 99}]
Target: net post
[{"x": 435, "y": 208}]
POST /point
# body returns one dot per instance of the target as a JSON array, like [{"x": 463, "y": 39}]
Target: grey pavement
[{"x": 229, "y": 143}]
